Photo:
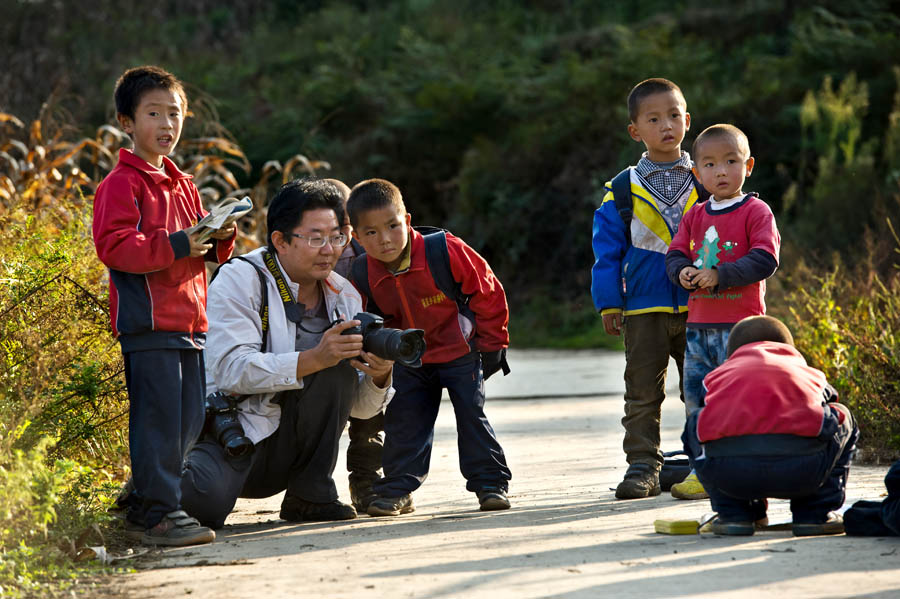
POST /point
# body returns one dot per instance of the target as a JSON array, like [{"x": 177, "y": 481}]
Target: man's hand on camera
[
  {"x": 377, "y": 368},
  {"x": 332, "y": 348}
]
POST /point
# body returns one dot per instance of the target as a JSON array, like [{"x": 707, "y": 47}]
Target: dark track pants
[
  {"x": 300, "y": 456},
  {"x": 364, "y": 452},
  {"x": 740, "y": 472},
  {"x": 409, "y": 427},
  {"x": 166, "y": 389}
]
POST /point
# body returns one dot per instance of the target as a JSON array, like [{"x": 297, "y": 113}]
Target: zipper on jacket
[{"x": 403, "y": 301}]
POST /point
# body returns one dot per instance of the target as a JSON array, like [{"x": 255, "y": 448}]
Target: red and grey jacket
[
  {"x": 764, "y": 388},
  {"x": 411, "y": 299},
  {"x": 157, "y": 292}
]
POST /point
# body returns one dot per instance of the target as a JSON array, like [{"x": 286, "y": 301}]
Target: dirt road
[{"x": 566, "y": 536}]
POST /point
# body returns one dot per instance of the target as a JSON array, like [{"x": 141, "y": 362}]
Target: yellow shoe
[{"x": 689, "y": 488}]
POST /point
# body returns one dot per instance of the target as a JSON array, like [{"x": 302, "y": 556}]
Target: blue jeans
[
  {"x": 705, "y": 351},
  {"x": 409, "y": 427},
  {"x": 740, "y": 472}
]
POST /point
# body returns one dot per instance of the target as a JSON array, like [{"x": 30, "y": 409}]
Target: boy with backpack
[
  {"x": 402, "y": 278},
  {"x": 640, "y": 214}
]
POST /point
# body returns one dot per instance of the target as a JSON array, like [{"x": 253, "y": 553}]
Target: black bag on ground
[
  {"x": 674, "y": 469},
  {"x": 863, "y": 519}
]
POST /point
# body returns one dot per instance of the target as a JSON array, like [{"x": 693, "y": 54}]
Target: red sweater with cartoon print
[
  {"x": 157, "y": 291},
  {"x": 411, "y": 299},
  {"x": 710, "y": 238}
]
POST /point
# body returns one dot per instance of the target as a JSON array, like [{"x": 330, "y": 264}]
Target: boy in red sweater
[
  {"x": 463, "y": 350},
  {"x": 157, "y": 297},
  {"x": 724, "y": 251},
  {"x": 770, "y": 427}
]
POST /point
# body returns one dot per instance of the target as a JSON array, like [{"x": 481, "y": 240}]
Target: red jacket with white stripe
[
  {"x": 157, "y": 293},
  {"x": 413, "y": 301}
]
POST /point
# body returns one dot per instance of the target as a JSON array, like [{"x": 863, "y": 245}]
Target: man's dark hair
[
  {"x": 295, "y": 198},
  {"x": 649, "y": 87},
  {"x": 373, "y": 194},
  {"x": 134, "y": 83},
  {"x": 758, "y": 328},
  {"x": 719, "y": 131}
]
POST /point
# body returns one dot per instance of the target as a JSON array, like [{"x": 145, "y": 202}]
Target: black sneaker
[
  {"x": 177, "y": 529},
  {"x": 492, "y": 499},
  {"x": 294, "y": 509},
  {"x": 833, "y": 525},
  {"x": 641, "y": 480},
  {"x": 391, "y": 506},
  {"x": 731, "y": 529}
]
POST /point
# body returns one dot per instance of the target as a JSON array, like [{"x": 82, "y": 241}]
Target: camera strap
[{"x": 292, "y": 309}]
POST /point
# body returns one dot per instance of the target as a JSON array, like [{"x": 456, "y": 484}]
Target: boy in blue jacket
[{"x": 628, "y": 280}]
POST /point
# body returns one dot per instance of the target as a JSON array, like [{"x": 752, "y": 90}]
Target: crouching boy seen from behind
[
  {"x": 462, "y": 350},
  {"x": 770, "y": 427}
]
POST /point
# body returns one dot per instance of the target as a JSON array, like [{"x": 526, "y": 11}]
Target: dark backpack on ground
[
  {"x": 621, "y": 189},
  {"x": 438, "y": 257}
]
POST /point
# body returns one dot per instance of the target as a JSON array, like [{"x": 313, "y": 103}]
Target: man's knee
[{"x": 211, "y": 483}]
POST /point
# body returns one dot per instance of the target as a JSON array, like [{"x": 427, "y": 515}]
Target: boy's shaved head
[
  {"x": 342, "y": 187},
  {"x": 649, "y": 87},
  {"x": 720, "y": 131},
  {"x": 758, "y": 328},
  {"x": 373, "y": 194}
]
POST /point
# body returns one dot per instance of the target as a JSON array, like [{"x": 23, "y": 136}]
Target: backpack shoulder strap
[
  {"x": 359, "y": 276},
  {"x": 264, "y": 305},
  {"x": 702, "y": 193},
  {"x": 621, "y": 189},
  {"x": 438, "y": 257}
]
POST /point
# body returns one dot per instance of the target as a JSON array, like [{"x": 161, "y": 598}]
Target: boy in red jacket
[
  {"x": 157, "y": 297},
  {"x": 463, "y": 350},
  {"x": 770, "y": 427}
]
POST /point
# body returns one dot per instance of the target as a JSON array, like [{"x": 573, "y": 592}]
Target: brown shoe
[
  {"x": 391, "y": 506},
  {"x": 177, "y": 529},
  {"x": 641, "y": 480}
]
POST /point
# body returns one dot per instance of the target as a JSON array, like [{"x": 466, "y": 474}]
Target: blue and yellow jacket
[{"x": 632, "y": 279}]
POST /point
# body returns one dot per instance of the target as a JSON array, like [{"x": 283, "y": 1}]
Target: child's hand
[
  {"x": 224, "y": 234},
  {"x": 198, "y": 248},
  {"x": 612, "y": 322},
  {"x": 706, "y": 278},
  {"x": 686, "y": 277}
]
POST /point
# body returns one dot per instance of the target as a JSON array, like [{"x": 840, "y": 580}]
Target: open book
[{"x": 221, "y": 217}]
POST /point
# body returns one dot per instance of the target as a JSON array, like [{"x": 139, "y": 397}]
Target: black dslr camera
[
  {"x": 223, "y": 424},
  {"x": 406, "y": 347}
]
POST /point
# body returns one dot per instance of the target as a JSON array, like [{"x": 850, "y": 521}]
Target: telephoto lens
[{"x": 406, "y": 347}]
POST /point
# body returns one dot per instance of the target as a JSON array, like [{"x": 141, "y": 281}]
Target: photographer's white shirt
[{"x": 237, "y": 364}]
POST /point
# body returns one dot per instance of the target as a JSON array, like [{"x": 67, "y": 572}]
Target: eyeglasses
[{"x": 338, "y": 241}]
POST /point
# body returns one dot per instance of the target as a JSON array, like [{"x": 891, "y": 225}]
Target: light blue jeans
[{"x": 704, "y": 352}]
